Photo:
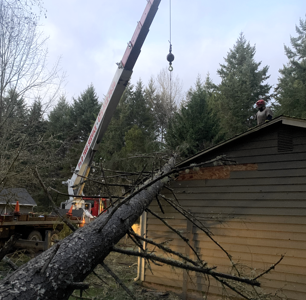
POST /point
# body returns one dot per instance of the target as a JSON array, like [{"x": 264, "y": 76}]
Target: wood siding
[{"x": 257, "y": 214}]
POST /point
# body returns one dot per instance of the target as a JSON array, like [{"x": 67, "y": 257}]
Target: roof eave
[{"x": 283, "y": 119}]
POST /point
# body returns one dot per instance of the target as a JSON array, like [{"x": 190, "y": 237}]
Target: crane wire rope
[
  {"x": 170, "y": 56},
  {"x": 170, "y": 52}
]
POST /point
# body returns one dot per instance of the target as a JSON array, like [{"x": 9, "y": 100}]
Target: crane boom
[{"x": 117, "y": 87}]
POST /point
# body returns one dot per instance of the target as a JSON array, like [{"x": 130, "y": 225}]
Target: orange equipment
[
  {"x": 69, "y": 213},
  {"x": 82, "y": 223},
  {"x": 17, "y": 209}
]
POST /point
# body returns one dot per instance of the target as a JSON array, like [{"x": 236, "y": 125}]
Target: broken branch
[{"x": 181, "y": 265}]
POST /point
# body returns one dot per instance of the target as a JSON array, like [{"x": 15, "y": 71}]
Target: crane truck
[
  {"x": 33, "y": 229},
  {"x": 77, "y": 200}
]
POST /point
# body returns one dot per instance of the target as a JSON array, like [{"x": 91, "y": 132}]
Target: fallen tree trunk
[{"x": 75, "y": 257}]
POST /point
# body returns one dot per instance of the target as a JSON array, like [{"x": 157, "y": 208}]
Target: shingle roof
[{"x": 12, "y": 195}]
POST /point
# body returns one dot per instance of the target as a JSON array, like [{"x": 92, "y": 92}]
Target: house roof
[
  {"x": 11, "y": 195},
  {"x": 285, "y": 120}
]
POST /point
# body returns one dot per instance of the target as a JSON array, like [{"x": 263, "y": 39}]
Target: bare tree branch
[{"x": 185, "y": 266}]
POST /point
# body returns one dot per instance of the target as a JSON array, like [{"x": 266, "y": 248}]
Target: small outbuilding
[
  {"x": 253, "y": 203},
  {"x": 9, "y": 197}
]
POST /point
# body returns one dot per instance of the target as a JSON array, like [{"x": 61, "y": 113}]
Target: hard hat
[{"x": 260, "y": 103}]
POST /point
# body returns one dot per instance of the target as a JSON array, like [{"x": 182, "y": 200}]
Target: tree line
[{"x": 150, "y": 120}]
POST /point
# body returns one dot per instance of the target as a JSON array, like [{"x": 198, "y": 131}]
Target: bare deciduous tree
[{"x": 23, "y": 51}]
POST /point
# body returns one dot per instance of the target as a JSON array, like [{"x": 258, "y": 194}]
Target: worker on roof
[{"x": 264, "y": 113}]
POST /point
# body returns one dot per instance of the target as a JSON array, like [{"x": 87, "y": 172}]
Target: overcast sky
[{"x": 91, "y": 36}]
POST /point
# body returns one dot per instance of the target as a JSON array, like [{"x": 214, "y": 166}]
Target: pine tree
[
  {"x": 132, "y": 131},
  {"x": 291, "y": 88},
  {"x": 36, "y": 124},
  {"x": 60, "y": 122},
  {"x": 159, "y": 114},
  {"x": 14, "y": 112},
  {"x": 241, "y": 86},
  {"x": 139, "y": 111},
  {"x": 193, "y": 127},
  {"x": 113, "y": 140},
  {"x": 84, "y": 112}
]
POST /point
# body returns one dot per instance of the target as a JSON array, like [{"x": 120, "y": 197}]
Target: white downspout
[{"x": 141, "y": 261}]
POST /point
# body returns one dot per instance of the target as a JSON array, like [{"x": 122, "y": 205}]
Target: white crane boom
[{"x": 117, "y": 87}]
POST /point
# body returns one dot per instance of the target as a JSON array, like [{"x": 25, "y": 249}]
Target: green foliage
[
  {"x": 291, "y": 88},
  {"x": 193, "y": 128},
  {"x": 241, "y": 86},
  {"x": 84, "y": 112},
  {"x": 138, "y": 110},
  {"x": 132, "y": 131},
  {"x": 158, "y": 112},
  {"x": 60, "y": 120},
  {"x": 36, "y": 121},
  {"x": 134, "y": 140},
  {"x": 13, "y": 108}
]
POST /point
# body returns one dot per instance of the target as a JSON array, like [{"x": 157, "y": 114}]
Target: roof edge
[{"x": 283, "y": 119}]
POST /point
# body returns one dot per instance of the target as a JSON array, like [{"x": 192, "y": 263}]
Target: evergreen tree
[
  {"x": 14, "y": 112},
  {"x": 193, "y": 128},
  {"x": 113, "y": 140},
  {"x": 139, "y": 111},
  {"x": 60, "y": 122},
  {"x": 241, "y": 86},
  {"x": 131, "y": 131},
  {"x": 291, "y": 88},
  {"x": 159, "y": 111},
  {"x": 37, "y": 126},
  {"x": 13, "y": 106},
  {"x": 84, "y": 112}
]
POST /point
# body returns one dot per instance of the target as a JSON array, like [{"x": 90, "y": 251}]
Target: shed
[
  {"x": 254, "y": 205},
  {"x": 9, "y": 196}
]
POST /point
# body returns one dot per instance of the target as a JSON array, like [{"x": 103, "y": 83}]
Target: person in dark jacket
[{"x": 264, "y": 113}]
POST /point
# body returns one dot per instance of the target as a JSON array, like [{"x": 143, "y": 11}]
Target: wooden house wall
[{"x": 256, "y": 212}]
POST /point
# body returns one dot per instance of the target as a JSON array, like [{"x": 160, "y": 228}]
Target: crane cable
[{"x": 170, "y": 56}]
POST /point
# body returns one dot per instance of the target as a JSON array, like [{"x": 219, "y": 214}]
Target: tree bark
[
  {"x": 8, "y": 246},
  {"x": 79, "y": 253}
]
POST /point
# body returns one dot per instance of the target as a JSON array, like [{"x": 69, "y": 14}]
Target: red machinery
[{"x": 95, "y": 205}]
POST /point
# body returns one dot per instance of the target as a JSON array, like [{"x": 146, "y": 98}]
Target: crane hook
[{"x": 170, "y": 58}]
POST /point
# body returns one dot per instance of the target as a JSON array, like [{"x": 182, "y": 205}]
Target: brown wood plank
[
  {"x": 292, "y": 156},
  {"x": 278, "y": 244},
  {"x": 261, "y": 151},
  {"x": 220, "y": 232},
  {"x": 259, "y": 199},
  {"x": 236, "y": 189},
  {"x": 240, "y": 182},
  {"x": 268, "y": 173},
  {"x": 214, "y": 289},
  {"x": 245, "y": 225},
  {"x": 232, "y": 212},
  {"x": 212, "y": 220},
  {"x": 236, "y": 249},
  {"x": 283, "y": 165},
  {"x": 256, "y": 144},
  {"x": 278, "y": 278}
]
